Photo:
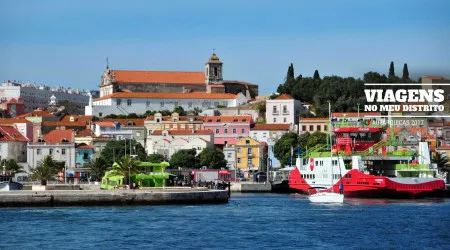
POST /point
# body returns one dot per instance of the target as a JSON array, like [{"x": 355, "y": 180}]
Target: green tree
[
  {"x": 179, "y": 110},
  {"x": 303, "y": 140},
  {"x": 442, "y": 162},
  {"x": 11, "y": 166},
  {"x": 46, "y": 170},
  {"x": 124, "y": 166},
  {"x": 196, "y": 111},
  {"x": 212, "y": 158},
  {"x": 282, "y": 148},
  {"x": 155, "y": 158},
  {"x": 405, "y": 75},
  {"x": 316, "y": 75},
  {"x": 98, "y": 168},
  {"x": 316, "y": 138},
  {"x": 184, "y": 158},
  {"x": 116, "y": 149},
  {"x": 391, "y": 71}
]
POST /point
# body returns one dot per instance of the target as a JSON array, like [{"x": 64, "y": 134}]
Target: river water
[{"x": 248, "y": 221}]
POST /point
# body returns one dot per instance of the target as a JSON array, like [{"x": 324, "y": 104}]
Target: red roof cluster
[
  {"x": 10, "y": 133},
  {"x": 127, "y": 122},
  {"x": 228, "y": 119},
  {"x": 172, "y": 95},
  {"x": 59, "y": 136},
  {"x": 271, "y": 127},
  {"x": 168, "y": 77}
]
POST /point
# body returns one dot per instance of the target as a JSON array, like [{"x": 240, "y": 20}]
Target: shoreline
[{"x": 65, "y": 198}]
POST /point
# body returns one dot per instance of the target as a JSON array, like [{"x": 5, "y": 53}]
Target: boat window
[{"x": 317, "y": 163}]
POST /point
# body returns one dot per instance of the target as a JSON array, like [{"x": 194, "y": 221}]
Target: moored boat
[{"x": 6, "y": 183}]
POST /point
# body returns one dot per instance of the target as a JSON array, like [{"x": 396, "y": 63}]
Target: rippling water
[{"x": 248, "y": 221}]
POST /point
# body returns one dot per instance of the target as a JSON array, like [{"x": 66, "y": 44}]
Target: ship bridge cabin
[{"x": 356, "y": 139}]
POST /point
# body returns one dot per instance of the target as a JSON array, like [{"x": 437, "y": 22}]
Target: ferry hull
[{"x": 368, "y": 186}]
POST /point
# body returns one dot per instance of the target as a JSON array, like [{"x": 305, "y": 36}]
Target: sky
[{"x": 66, "y": 43}]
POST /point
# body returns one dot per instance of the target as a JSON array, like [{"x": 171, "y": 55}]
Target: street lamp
[{"x": 129, "y": 175}]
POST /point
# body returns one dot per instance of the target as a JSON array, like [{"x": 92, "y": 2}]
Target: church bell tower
[{"x": 213, "y": 70}]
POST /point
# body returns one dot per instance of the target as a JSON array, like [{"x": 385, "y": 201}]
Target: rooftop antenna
[{"x": 107, "y": 63}]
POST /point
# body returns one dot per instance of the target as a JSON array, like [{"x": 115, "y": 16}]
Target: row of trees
[
  {"x": 345, "y": 93},
  {"x": 290, "y": 142}
]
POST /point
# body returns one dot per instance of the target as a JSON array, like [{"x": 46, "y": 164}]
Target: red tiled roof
[
  {"x": 10, "y": 133},
  {"x": 444, "y": 146},
  {"x": 355, "y": 114},
  {"x": 85, "y": 133},
  {"x": 184, "y": 132},
  {"x": 65, "y": 124},
  {"x": 435, "y": 77},
  {"x": 169, "y": 77},
  {"x": 13, "y": 120},
  {"x": 37, "y": 113},
  {"x": 162, "y": 95},
  {"x": 107, "y": 124},
  {"x": 271, "y": 127},
  {"x": 78, "y": 118},
  {"x": 284, "y": 97},
  {"x": 57, "y": 136},
  {"x": 180, "y": 118},
  {"x": 84, "y": 146},
  {"x": 314, "y": 119},
  {"x": 228, "y": 119},
  {"x": 217, "y": 86},
  {"x": 124, "y": 122}
]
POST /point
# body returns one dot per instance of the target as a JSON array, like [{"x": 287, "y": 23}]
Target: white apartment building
[
  {"x": 38, "y": 96},
  {"x": 283, "y": 110},
  {"x": 140, "y": 102}
]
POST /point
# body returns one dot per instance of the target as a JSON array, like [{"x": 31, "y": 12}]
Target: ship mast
[{"x": 331, "y": 145}]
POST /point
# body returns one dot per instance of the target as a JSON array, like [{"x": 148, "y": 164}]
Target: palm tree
[
  {"x": 125, "y": 166},
  {"x": 442, "y": 163},
  {"x": 46, "y": 170},
  {"x": 98, "y": 168},
  {"x": 11, "y": 166}
]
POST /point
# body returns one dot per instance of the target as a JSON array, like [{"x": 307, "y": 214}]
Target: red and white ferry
[{"x": 367, "y": 166}]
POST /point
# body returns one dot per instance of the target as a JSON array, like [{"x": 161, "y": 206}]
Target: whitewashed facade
[{"x": 283, "y": 109}]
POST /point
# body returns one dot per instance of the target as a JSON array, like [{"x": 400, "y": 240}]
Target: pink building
[{"x": 228, "y": 129}]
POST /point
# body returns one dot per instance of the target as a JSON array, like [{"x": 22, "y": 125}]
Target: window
[
  {"x": 217, "y": 130},
  {"x": 249, "y": 151},
  {"x": 274, "y": 110},
  {"x": 243, "y": 130},
  {"x": 128, "y": 102},
  {"x": 285, "y": 110},
  {"x": 118, "y": 102},
  {"x": 161, "y": 104},
  {"x": 148, "y": 103},
  {"x": 325, "y": 128},
  {"x": 225, "y": 131},
  {"x": 85, "y": 156},
  {"x": 38, "y": 151},
  {"x": 50, "y": 151},
  {"x": 239, "y": 150},
  {"x": 190, "y": 104},
  {"x": 274, "y": 119},
  {"x": 285, "y": 120},
  {"x": 63, "y": 151},
  {"x": 238, "y": 160},
  {"x": 311, "y": 127},
  {"x": 304, "y": 128},
  {"x": 215, "y": 71},
  {"x": 234, "y": 131},
  {"x": 229, "y": 155},
  {"x": 249, "y": 161},
  {"x": 100, "y": 114},
  {"x": 318, "y": 127}
]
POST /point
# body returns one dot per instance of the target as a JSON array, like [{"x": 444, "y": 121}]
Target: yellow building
[{"x": 250, "y": 155}]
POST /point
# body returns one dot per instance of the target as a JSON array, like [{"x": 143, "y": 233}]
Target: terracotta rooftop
[
  {"x": 37, "y": 113},
  {"x": 444, "y": 146},
  {"x": 106, "y": 124},
  {"x": 78, "y": 118},
  {"x": 435, "y": 77},
  {"x": 125, "y": 122},
  {"x": 58, "y": 136},
  {"x": 169, "y": 118},
  {"x": 314, "y": 119},
  {"x": 13, "y": 120},
  {"x": 65, "y": 124},
  {"x": 10, "y": 133},
  {"x": 167, "y": 77},
  {"x": 85, "y": 133},
  {"x": 184, "y": 132},
  {"x": 84, "y": 146},
  {"x": 160, "y": 95},
  {"x": 271, "y": 127},
  {"x": 284, "y": 97},
  {"x": 228, "y": 119}
]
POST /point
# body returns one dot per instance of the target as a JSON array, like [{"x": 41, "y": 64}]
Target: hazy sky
[{"x": 66, "y": 42}]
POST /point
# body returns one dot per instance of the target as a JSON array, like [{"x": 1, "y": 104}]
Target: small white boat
[{"x": 326, "y": 197}]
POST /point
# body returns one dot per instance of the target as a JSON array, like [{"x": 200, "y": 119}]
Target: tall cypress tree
[
  {"x": 316, "y": 75},
  {"x": 405, "y": 75},
  {"x": 290, "y": 73},
  {"x": 391, "y": 70}
]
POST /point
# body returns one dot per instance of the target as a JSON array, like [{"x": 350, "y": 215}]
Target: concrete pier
[
  {"x": 51, "y": 198},
  {"x": 250, "y": 187}
]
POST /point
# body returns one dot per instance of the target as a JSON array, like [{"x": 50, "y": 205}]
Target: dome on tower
[{"x": 214, "y": 57}]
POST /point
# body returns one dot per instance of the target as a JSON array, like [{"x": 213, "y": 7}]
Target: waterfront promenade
[{"x": 157, "y": 196}]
